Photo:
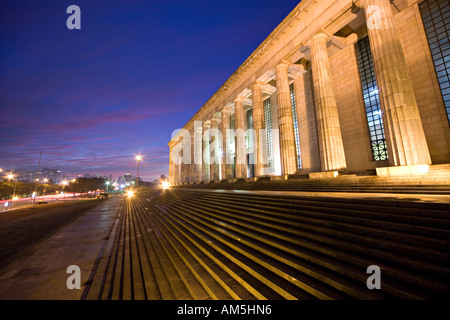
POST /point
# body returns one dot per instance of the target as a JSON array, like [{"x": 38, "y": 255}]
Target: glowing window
[
  {"x": 436, "y": 20},
  {"x": 296, "y": 133},
  {"x": 371, "y": 100}
]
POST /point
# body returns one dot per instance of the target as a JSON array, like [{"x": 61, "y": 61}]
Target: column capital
[
  {"x": 239, "y": 99},
  {"x": 258, "y": 83},
  {"x": 225, "y": 112},
  {"x": 215, "y": 118},
  {"x": 282, "y": 65},
  {"x": 206, "y": 124},
  {"x": 320, "y": 36}
]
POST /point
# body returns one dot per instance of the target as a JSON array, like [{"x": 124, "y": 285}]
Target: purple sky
[{"x": 91, "y": 99}]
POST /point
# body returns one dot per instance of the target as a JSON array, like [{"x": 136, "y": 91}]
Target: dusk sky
[{"x": 92, "y": 99}]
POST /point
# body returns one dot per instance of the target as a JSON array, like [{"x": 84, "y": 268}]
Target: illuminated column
[
  {"x": 226, "y": 165},
  {"x": 206, "y": 154},
  {"x": 185, "y": 166},
  {"x": 180, "y": 164},
  {"x": 183, "y": 169},
  {"x": 198, "y": 151},
  {"x": 405, "y": 138},
  {"x": 331, "y": 147},
  {"x": 259, "y": 125},
  {"x": 285, "y": 121},
  {"x": 192, "y": 166},
  {"x": 216, "y": 154},
  {"x": 170, "y": 166},
  {"x": 241, "y": 159},
  {"x": 175, "y": 170}
]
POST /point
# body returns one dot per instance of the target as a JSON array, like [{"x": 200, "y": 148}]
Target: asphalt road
[{"x": 23, "y": 229}]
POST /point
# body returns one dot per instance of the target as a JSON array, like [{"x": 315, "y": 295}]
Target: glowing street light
[
  {"x": 10, "y": 176},
  {"x": 64, "y": 183},
  {"x": 107, "y": 185},
  {"x": 165, "y": 185},
  {"x": 138, "y": 158}
]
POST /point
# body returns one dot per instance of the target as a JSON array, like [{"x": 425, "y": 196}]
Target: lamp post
[
  {"x": 45, "y": 182},
  {"x": 11, "y": 176},
  {"x": 138, "y": 158},
  {"x": 64, "y": 183}
]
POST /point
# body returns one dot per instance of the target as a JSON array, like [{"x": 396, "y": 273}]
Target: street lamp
[
  {"x": 107, "y": 185},
  {"x": 138, "y": 158},
  {"x": 45, "y": 182},
  {"x": 64, "y": 183},
  {"x": 11, "y": 176}
]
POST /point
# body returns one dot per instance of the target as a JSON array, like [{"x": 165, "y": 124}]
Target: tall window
[
  {"x": 436, "y": 20},
  {"x": 250, "y": 145},
  {"x": 249, "y": 138},
  {"x": 371, "y": 99},
  {"x": 296, "y": 133},
  {"x": 269, "y": 138}
]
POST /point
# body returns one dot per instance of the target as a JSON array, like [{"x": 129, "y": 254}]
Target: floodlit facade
[{"x": 338, "y": 87}]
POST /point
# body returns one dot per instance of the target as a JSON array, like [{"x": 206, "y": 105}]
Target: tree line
[{"x": 26, "y": 189}]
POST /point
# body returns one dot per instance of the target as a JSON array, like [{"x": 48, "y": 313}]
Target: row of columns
[{"x": 405, "y": 137}]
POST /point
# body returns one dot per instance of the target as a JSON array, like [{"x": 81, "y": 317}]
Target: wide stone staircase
[
  {"x": 196, "y": 244},
  {"x": 435, "y": 181}
]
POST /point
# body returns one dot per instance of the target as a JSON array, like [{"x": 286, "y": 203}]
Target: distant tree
[{"x": 86, "y": 184}]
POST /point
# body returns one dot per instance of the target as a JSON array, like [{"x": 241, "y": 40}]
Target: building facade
[{"x": 338, "y": 87}]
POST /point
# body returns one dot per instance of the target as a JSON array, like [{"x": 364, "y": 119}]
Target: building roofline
[{"x": 258, "y": 51}]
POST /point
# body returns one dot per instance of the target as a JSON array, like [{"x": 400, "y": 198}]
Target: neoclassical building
[{"x": 338, "y": 87}]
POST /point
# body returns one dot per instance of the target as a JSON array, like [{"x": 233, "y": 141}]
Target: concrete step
[
  {"x": 240, "y": 219},
  {"x": 437, "y": 182},
  {"x": 193, "y": 244},
  {"x": 381, "y": 255},
  {"x": 302, "y": 219},
  {"x": 283, "y": 280},
  {"x": 437, "y": 217}
]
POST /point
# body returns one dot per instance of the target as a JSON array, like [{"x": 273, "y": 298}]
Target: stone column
[
  {"x": 206, "y": 152},
  {"x": 306, "y": 117},
  {"x": 226, "y": 165},
  {"x": 192, "y": 166},
  {"x": 405, "y": 137},
  {"x": 216, "y": 155},
  {"x": 260, "y": 150},
  {"x": 182, "y": 171},
  {"x": 288, "y": 152},
  {"x": 180, "y": 164},
  {"x": 331, "y": 147},
  {"x": 198, "y": 151},
  {"x": 241, "y": 157},
  {"x": 174, "y": 166}
]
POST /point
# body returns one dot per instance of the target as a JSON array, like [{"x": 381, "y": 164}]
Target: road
[
  {"x": 21, "y": 203},
  {"x": 21, "y": 229}
]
